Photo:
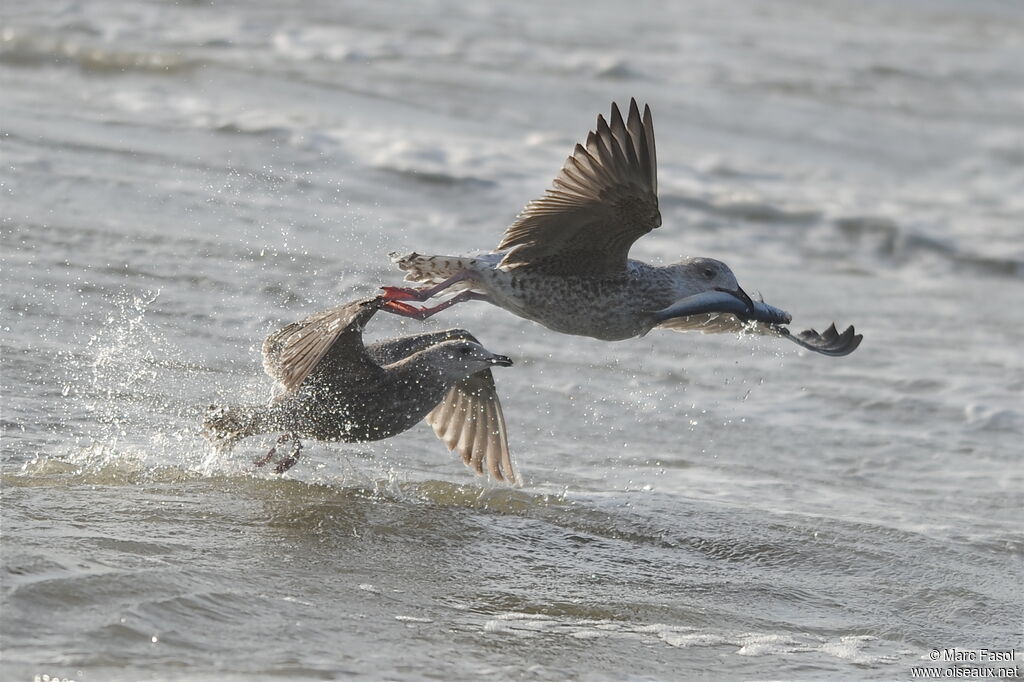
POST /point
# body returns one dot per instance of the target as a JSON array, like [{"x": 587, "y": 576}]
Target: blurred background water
[{"x": 179, "y": 179}]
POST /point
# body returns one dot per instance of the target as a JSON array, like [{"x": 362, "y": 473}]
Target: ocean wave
[
  {"x": 862, "y": 240},
  {"x": 859, "y": 649},
  {"x": 99, "y": 465},
  {"x": 21, "y": 48},
  {"x": 987, "y": 418},
  {"x": 751, "y": 208},
  {"x": 889, "y": 239},
  {"x": 421, "y": 160},
  {"x": 436, "y": 177}
]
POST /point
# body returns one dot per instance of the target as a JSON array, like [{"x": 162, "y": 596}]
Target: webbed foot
[
  {"x": 292, "y": 458},
  {"x": 286, "y": 463}
]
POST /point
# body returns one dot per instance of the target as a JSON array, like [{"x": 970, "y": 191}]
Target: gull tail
[
  {"x": 433, "y": 269},
  {"x": 224, "y": 427}
]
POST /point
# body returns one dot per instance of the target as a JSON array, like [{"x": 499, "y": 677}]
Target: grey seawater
[{"x": 180, "y": 179}]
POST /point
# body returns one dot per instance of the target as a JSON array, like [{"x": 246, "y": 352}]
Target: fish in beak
[{"x": 735, "y": 302}]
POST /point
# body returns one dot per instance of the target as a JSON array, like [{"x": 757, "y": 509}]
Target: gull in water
[
  {"x": 332, "y": 387},
  {"x": 564, "y": 262}
]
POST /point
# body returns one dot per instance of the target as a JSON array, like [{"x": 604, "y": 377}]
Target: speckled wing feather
[
  {"x": 333, "y": 336},
  {"x": 603, "y": 200},
  {"x": 831, "y": 342},
  {"x": 469, "y": 420}
]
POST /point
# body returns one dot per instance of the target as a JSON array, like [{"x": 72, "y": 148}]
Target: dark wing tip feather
[{"x": 603, "y": 199}]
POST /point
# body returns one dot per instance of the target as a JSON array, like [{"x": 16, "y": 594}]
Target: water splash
[{"x": 125, "y": 392}]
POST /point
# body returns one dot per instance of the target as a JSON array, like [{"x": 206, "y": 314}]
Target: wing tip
[
  {"x": 475, "y": 430},
  {"x": 616, "y": 114}
]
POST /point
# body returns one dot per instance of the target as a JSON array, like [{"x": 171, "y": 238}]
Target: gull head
[
  {"x": 708, "y": 286},
  {"x": 694, "y": 275},
  {"x": 465, "y": 358}
]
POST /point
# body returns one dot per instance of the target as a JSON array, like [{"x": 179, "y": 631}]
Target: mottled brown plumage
[{"x": 334, "y": 388}]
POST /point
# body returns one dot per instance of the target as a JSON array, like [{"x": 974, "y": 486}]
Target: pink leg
[
  {"x": 421, "y": 293},
  {"x": 406, "y": 310}
]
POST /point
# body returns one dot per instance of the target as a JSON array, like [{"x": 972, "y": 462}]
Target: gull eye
[{"x": 709, "y": 273}]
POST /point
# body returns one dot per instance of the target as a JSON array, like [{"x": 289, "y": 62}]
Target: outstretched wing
[
  {"x": 603, "y": 200},
  {"x": 469, "y": 420},
  {"x": 831, "y": 342},
  {"x": 331, "y": 338}
]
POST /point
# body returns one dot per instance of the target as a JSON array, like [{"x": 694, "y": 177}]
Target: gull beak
[
  {"x": 740, "y": 294},
  {"x": 501, "y": 361},
  {"x": 758, "y": 311}
]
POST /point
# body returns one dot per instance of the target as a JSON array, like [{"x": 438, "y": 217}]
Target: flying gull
[
  {"x": 564, "y": 262},
  {"x": 332, "y": 387}
]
